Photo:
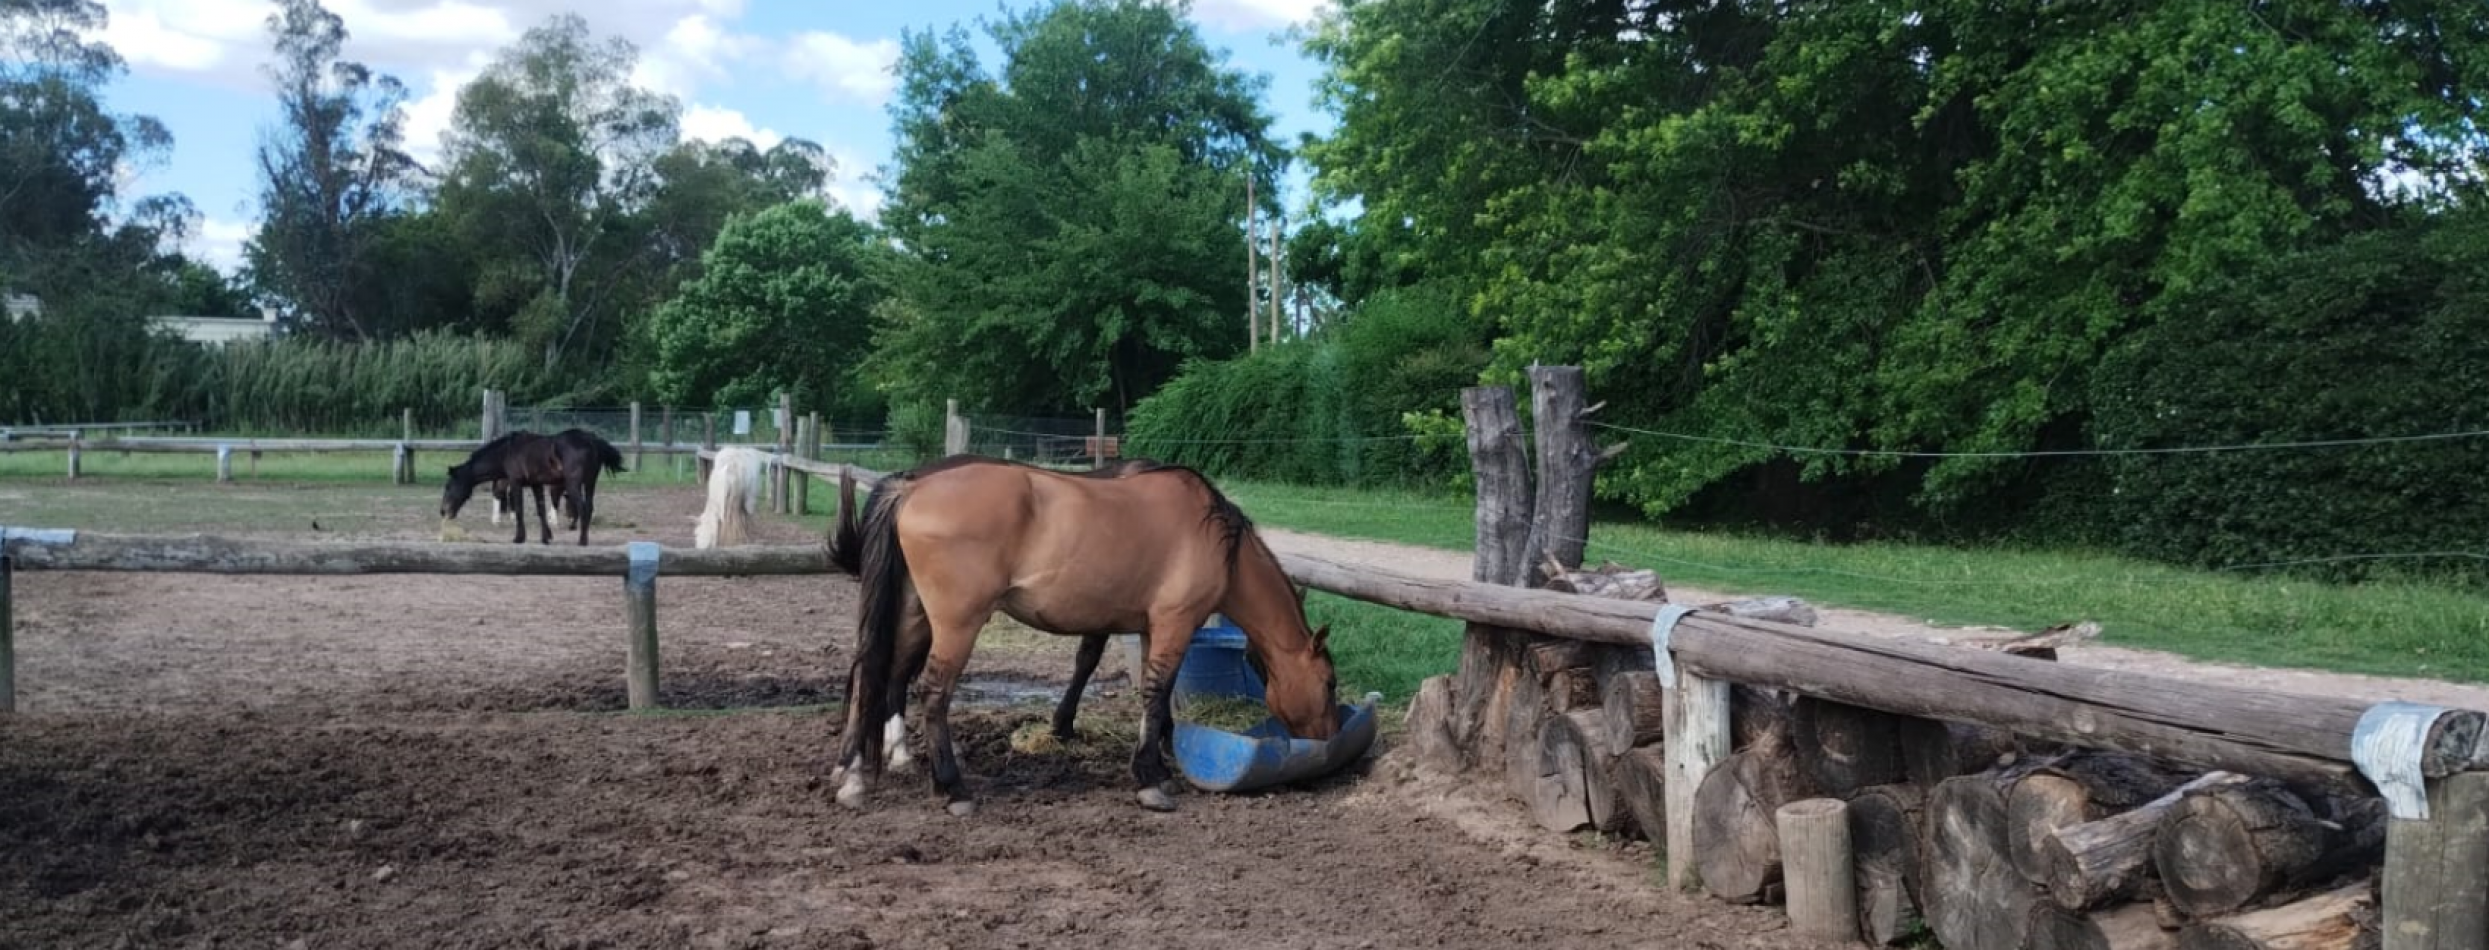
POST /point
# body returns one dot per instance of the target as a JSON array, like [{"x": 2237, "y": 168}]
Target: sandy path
[{"x": 1434, "y": 562}]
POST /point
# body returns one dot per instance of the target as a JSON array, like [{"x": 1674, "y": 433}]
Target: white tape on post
[
  {"x": 2387, "y": 746},
  {"x": 1663, "y": 629}
]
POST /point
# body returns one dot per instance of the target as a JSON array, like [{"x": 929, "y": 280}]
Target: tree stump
[
  {"x": 1884, "y": 824},
  {"x": 1971, "y": 896},
  {"x": 2082, "y": 787},
  {"x": 1642, "y": 782},
  {"x": 2327, "y": 921},
  {"x": 2221, "y": 847},
  {"x": 2127, "y": 927},
  {"x": 2089, "y": 864},
  {"x": 1736, "y": 843},
  {"x": 1633, "y": 709},
  {"x": 1525, "y": 711},
  {"x": 1815, "y": 852},
  {"x": 1845, "y": 748}
]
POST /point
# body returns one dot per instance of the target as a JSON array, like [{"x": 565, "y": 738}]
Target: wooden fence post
[
  {"x": 665, "y": 431},
  {"x": 8, "y": 634},
  {"x": 77, "y": 440},
  {"x": 1480, "y": 693},
  {"x": 224, "y": 463},
  {"x": 2434, "y": 888},
  {"x": 1697, "y": 714},
  {"x": 639, "y": 588},
  {"x": 954, "y": 429},
  {"x": 406, "y": 444},
  {"x": 800, "y": 483},
  {"x": 778, "y": 500},
  {"x": 1097, "y": 456},
  {"x": 708, "y": 440},
  {"x": 639, "y": 451}
]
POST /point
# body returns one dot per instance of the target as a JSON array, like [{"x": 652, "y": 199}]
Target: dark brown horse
[
  {"x": 524, "y": 460},
  {"x": 1137, "y": 546}
]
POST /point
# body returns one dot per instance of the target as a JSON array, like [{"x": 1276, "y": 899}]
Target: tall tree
[
  {"x": 783, "y": 304},
  {"x": 1071, "y": 224},
  {"x": 551, "y": 155},
  {"x": 329, "y": 173}
]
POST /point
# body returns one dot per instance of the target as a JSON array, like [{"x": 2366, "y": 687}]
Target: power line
[{"x": 1889, "y": 453}]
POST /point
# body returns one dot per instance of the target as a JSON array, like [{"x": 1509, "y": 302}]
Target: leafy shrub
[{"x": 2378, "y": 336}]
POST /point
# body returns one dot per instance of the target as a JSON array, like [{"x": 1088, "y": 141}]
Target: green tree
[
  {"x": 1069, "y": 225},
  {"x": 551, "y": 157},
  {"x": 1869, "y": 225},
  {"x": 329, "y": 173},
  {"x": 783, "y": 304}
]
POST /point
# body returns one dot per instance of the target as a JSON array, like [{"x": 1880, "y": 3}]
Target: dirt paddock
[{"x": 419, "y": 761}]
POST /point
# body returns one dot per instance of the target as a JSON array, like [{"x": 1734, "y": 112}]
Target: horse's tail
[
  {"x": 884, "y": 578},
  {"x": 608, "y": 454},
  {"x": 846, "y": 552}
]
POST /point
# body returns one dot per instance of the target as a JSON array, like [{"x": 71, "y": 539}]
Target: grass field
[{"x": 2401, "y": 629}]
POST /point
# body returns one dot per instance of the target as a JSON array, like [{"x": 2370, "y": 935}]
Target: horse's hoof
[
  {"x": 963, "y": 808},
  {"x": 852, "y": 793},
  {"x": 900, "y": 760},
  {"x": 1156, "y": 799}
]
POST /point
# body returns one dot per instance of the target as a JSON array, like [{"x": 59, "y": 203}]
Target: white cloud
[
  {"x": 717, "y": 124},
  {"x": 185, "y": 36},
  {"x": 845, "y": 68},
  {"x": 695, "y": 51},
  {"x": 428, "y": 115},
  {"x": 1246, "y": 14},
  {"x": 218, "y": 243}
]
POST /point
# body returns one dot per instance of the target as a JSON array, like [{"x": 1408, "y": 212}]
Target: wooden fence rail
[{"x": 196, "y": 445}]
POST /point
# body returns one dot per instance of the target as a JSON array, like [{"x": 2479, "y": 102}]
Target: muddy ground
[{"x": 442, "y": 762}]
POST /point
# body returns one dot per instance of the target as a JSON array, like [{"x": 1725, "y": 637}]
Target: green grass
[{"x": 2397, "y": 629}]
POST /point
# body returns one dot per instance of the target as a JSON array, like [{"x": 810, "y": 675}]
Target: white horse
[{"x": 734, "y": 497}]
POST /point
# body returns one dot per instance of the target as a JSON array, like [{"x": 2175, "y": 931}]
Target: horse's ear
[{"x": 1322, "y": 636}]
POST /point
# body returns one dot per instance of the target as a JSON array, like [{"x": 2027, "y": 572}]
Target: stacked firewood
[{"x": 1984, "y": 839}]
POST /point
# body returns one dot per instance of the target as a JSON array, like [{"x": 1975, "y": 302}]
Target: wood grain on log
[
  {"x": 1971, "y": 896},
  {"x": 1642, "y": 781},
  {"x": 1845, "y": 748},
  {"x": 1633, "y": 709},
  {"x": 2089, "y": 864},
  {"x": 1736, "y": 843},
  {"x": 1429, "y": 725},
  {"x": 1884, "y": 834},
  {"x": 2126, "y": 927},
  {"x": 2219, "y": 848},
  {"x": 1525, "y": 712},
  {"x": 2436, "y": 879},
  {"x": 2079, "y": 788},
  {"x": 2326, "y": 921},
  {"x": 1933, "y": 751}
]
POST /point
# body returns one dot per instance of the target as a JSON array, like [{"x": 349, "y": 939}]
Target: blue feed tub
[{"x": 1216, "y": 760}]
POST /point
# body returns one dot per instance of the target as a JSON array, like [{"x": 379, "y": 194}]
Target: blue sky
[{"x": 756, "y": 68}]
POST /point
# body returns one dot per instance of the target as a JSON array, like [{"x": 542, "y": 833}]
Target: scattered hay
[
  {"x": 451, "y": 532},
  {"x": 1035, "y": 738},
  {"x": 1226, "y": 713}
]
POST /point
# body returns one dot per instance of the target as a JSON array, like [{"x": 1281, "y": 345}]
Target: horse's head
[
  {"x": 1301, "y": 688},
  {"x": 456, "y": 491}
]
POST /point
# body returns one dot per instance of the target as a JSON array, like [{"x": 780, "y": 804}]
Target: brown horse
[{"x": 1137, "y": 546}]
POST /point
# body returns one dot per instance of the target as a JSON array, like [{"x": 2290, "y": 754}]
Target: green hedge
[
  {"x": 1326, "y": 410},
  {"x": 2378, "y": 336}
]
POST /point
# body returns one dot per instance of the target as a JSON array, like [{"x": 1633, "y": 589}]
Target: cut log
[
  {"x": 1758, "y": 717},
  {"x": 2327, "y": 921},
  {"x": 2089, "y": 864},
  {"x": 1845, "y": 748},
  {"x": 2128, "y": 927},
  {"x": 2220, "y": 848},
  {"x": 1818, "y": 868},
  {"x": 1490, "y": 668},
  {"x": 2080, "y": 788},
  {"x": 1615, "y": 661},
  {"x": 1429, "y": 725},
  {"x": 2434, "y": 889},
  {"x": 1577, "y": 787},
  {"x": 1884, "y": 824},
  {"x": 1933, "y": 750},
  {"x": 1971, "y": 896},
  {"x": 1610, "y": 580},
  {"x": 1642, "y": 782},
  {"x": 1571, "y": 690},
  {"x": 1736, "y": 843},
  {"x": 1525, "y": 711},
  {"x": 1633, "y": 710},
  {"x": 1548, "y": 656}
]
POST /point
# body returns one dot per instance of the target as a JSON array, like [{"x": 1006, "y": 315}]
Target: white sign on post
[{"x": 743, "y": 422}]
